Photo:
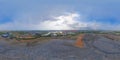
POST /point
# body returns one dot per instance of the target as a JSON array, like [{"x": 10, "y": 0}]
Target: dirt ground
[{"x": 97, "y": 47}]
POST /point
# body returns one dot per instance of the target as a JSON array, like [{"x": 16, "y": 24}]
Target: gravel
[{"x": 63, "y": 50}]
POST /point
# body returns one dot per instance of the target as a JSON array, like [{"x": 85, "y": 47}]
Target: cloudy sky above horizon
[{"x": 59, "y": 15}]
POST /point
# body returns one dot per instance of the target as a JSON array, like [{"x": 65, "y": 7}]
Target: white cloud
[
  {"x": 67, "y": 21},
  {"x": 34, "y": 15}
]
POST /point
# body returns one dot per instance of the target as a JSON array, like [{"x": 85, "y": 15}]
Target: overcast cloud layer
[{"x": 59, "y": 15}]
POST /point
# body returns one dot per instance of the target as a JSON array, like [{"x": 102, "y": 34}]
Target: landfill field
[{"x": 96, "y": 47}]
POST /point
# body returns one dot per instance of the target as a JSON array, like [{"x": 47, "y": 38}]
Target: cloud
[
  {"x": 49, "y": 15},
  {"x": 66, "y": 21},
  {"x": 63, "y": 22}
]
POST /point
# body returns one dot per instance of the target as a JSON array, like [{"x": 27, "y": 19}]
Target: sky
[{"x": 59, "y": 15}]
